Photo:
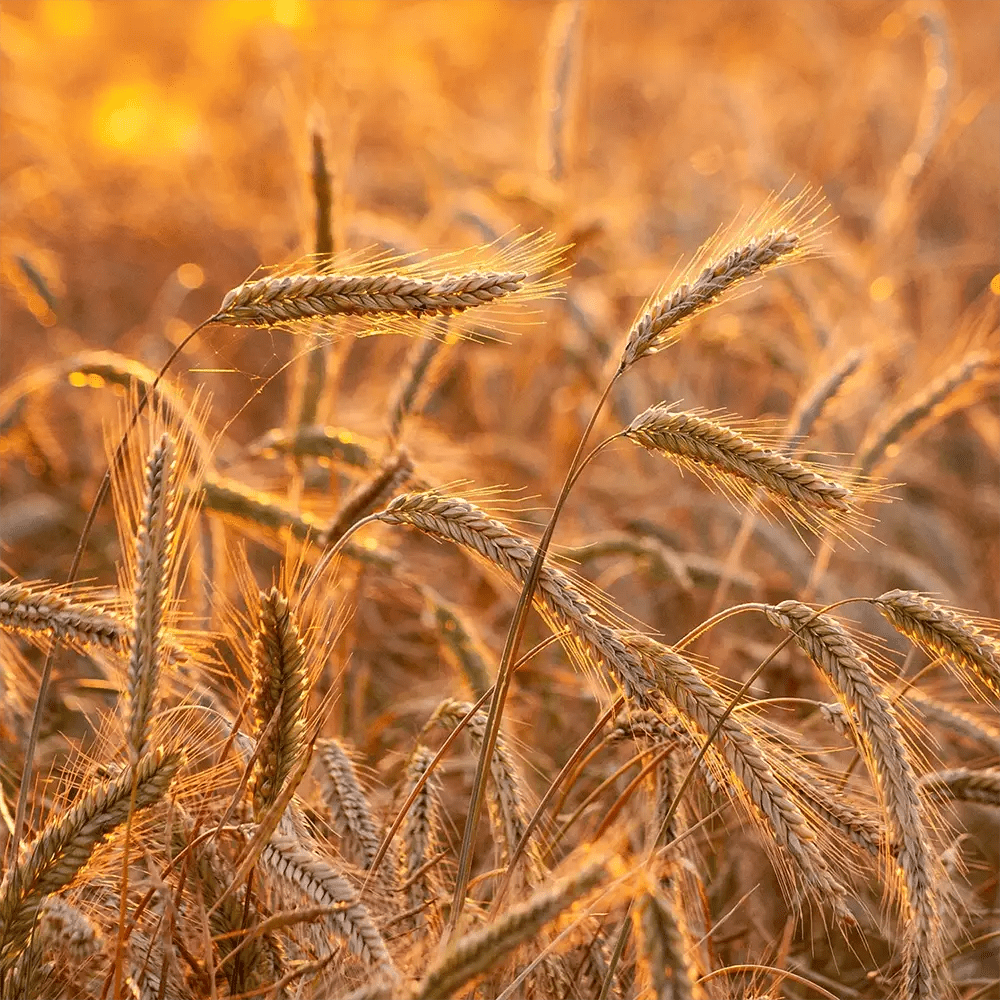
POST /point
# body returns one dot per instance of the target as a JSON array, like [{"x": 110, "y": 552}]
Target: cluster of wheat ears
[{"x": 208, "y": 840}]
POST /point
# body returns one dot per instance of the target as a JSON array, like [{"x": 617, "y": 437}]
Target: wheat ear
[
  {"x": 462, "y": 522},
  {"x": 301, "y": 867},
  {"x": 942, "y": 631},
  {"x": 67, "y": 841},
  {"x": 349, "y": 810},
  {"x": 789, "y": 234},
  {"x": 964, "y": 784},
  {"x": 847, "y": 667},
  {"x": 280, "y": 685},
  {"x": 384, "y": 484},
  {"x": 154, "y": 556},
  {"x": 336, "y": 444},
  {"x": 931, "y": 403},
  {"x": 267, "y": 515},
  {"x": 459, "y": 642},
  {"x": 699, "y": 702},
  {"x": 660, "y": 957},
  {"x": 291, "y": 298},
  {"x": 420, "y": 833},
  {"x": 480, "y": 950},
  {"x": 34, "y": 608},
  {"x": 720, "y": 454}
]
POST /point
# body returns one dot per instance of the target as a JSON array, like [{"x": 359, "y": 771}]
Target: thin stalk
[
  {"x": 536, "y": 818},
  {"x": 429, "y": 770},
  {"x": 504, "y": 671},
  {"x": 46, "y": 675}
]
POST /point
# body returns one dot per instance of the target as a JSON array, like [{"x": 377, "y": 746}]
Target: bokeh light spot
[
  {"x": 881, "y": 288},
  {"x": 77, "y": 379},
  {"x": 190, "y": 276},
  {"x": 995, "y": 284}
]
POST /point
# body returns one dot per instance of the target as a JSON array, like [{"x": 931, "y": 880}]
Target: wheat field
[{"x": 499, "y": 500}]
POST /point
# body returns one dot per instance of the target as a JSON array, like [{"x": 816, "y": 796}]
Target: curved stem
[
  {"x": 536, "y": 817},
  {"x": 780, "y": 973},
  {"x": 504, "y": 671},
  {"x": 74, "y": 569},
  {"x": 429, "y": 770}
]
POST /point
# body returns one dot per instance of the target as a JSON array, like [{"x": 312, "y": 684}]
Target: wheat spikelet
[
  {"x": 964, "y": 784},
  {"x": 930, "y": 404},
  {"x": 773, "y": 236},
  {"x": 349, "y": 810},
  {"x": 337, "y": 444},
  {"x": 847, "y": 668},
  {"x": 280, "y": 685},
  {"x": 36, "y": 608},
  {"x": 154, "y": 555},
  {"x": 301, "y": 867},
  {"x": 660, "y": 958},
  {"x": 719, "y": 454},
  {"x": 420, "y": 834},
  {"x": 67, "y": 841},
  {"x": 942, "y": 631},
  {"x": 480, "y": 950},
  {"x": 462, "y": 522},
  {"x": 698, "y": 701},
  {"x": 508, "y": 816}
]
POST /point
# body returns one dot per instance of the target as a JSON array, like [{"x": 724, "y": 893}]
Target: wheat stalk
[
  {"x": 67, "y": 841},
  {"x": 846, "y": 666},
  {"x": 508, "y": 816},
  {"x": 942, "y": 631}
]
